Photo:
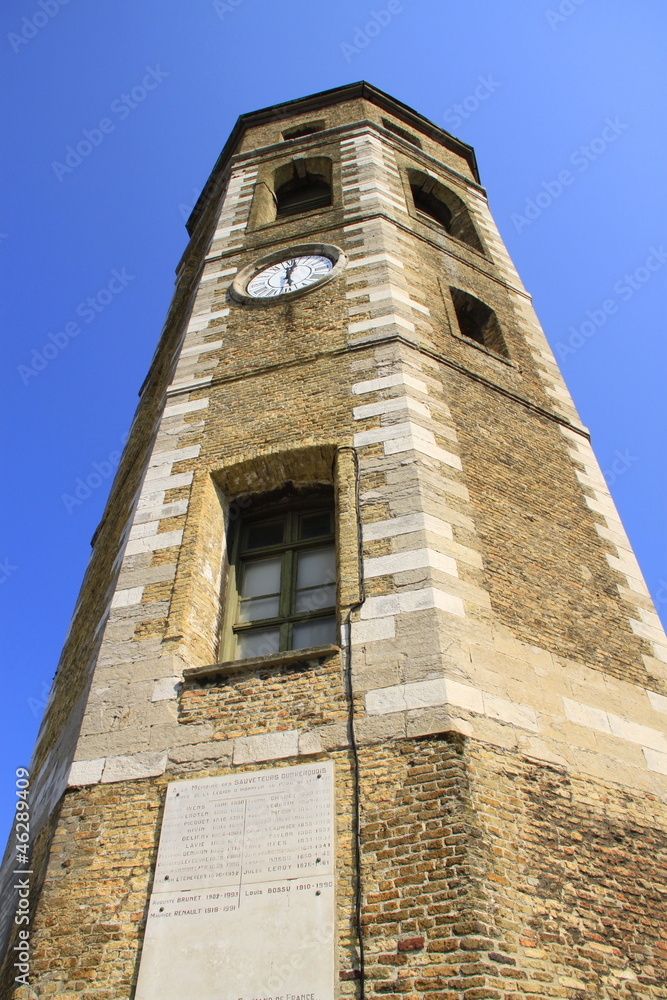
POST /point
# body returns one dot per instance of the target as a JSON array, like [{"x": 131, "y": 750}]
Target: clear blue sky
[{"x": 555, "y": 71}]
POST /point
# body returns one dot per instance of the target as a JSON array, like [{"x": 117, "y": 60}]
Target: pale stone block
[
  {"x": 633, "y": 732},
  {"x": 540, "y": 751},
  {"x": 418, "y": 442},
  {"x": 144, "y": 529},
  {"x": 380, "y": 434},
  {"x": 407, "y": 524},
  {"x": 508, "y": 711},
  {"x": 387, "y": 381},
  {"x": 373, "y": 630},
  {"x": 176, "y": 455},
  {"x": 140, "y": 765},
  {"x": 179, "y": 386},
  {"x": 392, "y": 405},
  {"x": 391, "y": 319},
  {"x": 174, "y": 409},
  {"x": 160, "y": 485},
  {"x": 409, "y": 601},
  {"x": 166, "y": 689},
  {"x": 655, "y": 667},
  {"x": 158, "y": 471},
  {"x": 379, "y": 258},
  {"x": 464, "y": 696},
  {"x": 378, "y": 729},
  {"x": 450, "y": 603},
  {"x": 658, "y": 701},
  {"x": 155, "y": 542},
  {"x": 86, "y": 772},
  {"x": 335, "y": 736},
  {"x": 126, "y": 598},
  {"x": 428, "y": 721},
  {"x": 271, "y": 746},
  {"x": 217, "y": 750},
  {"x": 656, "y": 761},
  {"x": 654, "y": 635},
  {"x": 212, "y": 345},
  {"x": 309, "y": 743},
  {"x": 122, "y": 742},
  {"x": 172, "y": 734},
  {"x": 586, "y": 715},
  {"x": 650, "y": 618},
  {"x": 399, "y": 562},
  {"x": 386, "y": 700},
  {"x": 401, "y": 697}
]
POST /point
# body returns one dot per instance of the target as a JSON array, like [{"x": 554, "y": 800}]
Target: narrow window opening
[
  {"x": 307, "y": 128},
  {"x": 397, "y": 130},
  {"x": 478, "y": 322}
]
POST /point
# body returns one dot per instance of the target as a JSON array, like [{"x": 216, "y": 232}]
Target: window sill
[
  {"x": 314, "y": 654},
  {"x": 486, "y": 350}
]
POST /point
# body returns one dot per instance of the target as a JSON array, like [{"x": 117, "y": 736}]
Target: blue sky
[{"x": 562, "y": 100}]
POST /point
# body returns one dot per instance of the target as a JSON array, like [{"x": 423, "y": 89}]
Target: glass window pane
[
  {"x": 258, "y": 643},
  {"x": 261, "y": 577},
  {"x": 260, "y": 607},
  {"x": 316, "y": 598},
  {"x": 315, "y": 525},
  {"x": 317, "y": 566},
  {"x": 318, "y": 633},
  {"x": 261, "y": 535}
]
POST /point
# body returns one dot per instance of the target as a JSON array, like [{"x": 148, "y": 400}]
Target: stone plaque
[{"x": 242, "y": 906}]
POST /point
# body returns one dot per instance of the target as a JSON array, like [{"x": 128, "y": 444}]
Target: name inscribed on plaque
[{"x": 242, "y": 906}]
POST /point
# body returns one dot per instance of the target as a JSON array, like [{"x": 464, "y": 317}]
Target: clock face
[{"x": 289, "y": 275}]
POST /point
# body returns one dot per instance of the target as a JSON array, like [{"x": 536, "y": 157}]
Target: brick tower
[{"x": 364, "y": 693}]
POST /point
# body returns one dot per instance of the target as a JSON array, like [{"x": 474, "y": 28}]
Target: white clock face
[{"x": 289, "y": 275}]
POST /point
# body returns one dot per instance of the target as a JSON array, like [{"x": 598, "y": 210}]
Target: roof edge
[{"x": 313, "y": 102}]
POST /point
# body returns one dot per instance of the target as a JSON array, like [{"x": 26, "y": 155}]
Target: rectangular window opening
[{"x": 285, "y": 570}]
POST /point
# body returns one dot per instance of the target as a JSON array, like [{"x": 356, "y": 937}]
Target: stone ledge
[{"x": 314, "y": 654}]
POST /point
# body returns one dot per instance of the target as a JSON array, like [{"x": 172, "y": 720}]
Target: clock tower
[{"x": 364, "y": 693}]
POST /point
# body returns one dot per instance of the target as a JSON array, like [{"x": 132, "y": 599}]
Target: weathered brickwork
[
  {"x": 485, "y": 875},
  {"x": 533, "y": 535},
  {"x": 246, "y": 703},
  {"x": 491, "y": 876},
  {"x": 508, "y": 669}
]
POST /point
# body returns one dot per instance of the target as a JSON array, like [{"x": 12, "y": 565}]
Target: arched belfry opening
[
  {"x": 440, "y": 204},
  {"x": 302, "y": 185}
]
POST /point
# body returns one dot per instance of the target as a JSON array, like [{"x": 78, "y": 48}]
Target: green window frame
[{"x": 283, "y": 581}]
